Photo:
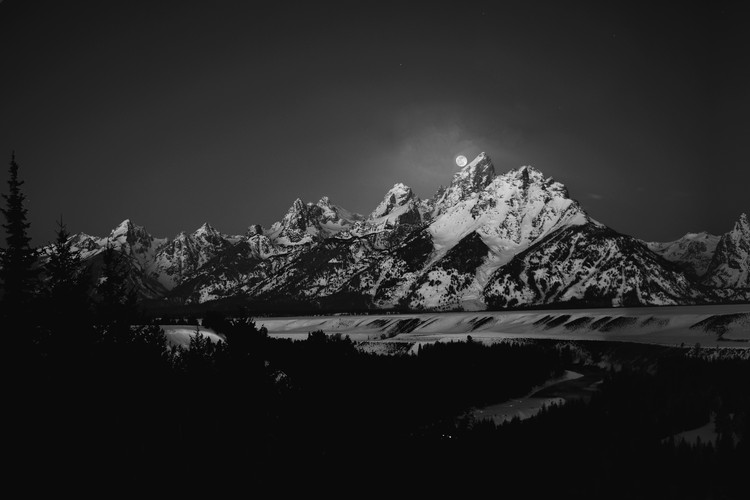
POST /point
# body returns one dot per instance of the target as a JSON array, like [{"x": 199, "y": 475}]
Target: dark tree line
[{"x": 621, "y": 443}]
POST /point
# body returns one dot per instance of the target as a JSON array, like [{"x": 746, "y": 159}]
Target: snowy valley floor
[{"x": 710, "y": 326}]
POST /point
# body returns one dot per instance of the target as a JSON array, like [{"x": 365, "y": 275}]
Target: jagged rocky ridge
[
  {"x": 730, "y": 265},
  {"x": 693, "y": 252},
  {"x": 485, "y": 241}
]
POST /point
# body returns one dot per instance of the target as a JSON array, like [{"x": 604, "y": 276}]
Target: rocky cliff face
[
  {"x": 178, "y": 259},
  {"x": 693, "y": 252},
  {"x": 305, "y": 223},
  {"x": 730, "y": 264}
]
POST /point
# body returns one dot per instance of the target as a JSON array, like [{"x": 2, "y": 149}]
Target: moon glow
[{"x": 461, "y": 160}]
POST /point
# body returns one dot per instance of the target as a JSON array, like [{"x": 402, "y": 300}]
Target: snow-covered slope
[
  {"x": 693, "y": 251},
  {"x": 446, "y": 284},
  {"x": 589, "y": 265},
  {"x": 730, "y": 266},
  {"x": 509, "y": 213},
  {"x": 503, "y": 218}
]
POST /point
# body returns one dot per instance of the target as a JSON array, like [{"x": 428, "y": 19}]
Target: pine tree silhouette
[
  {"x": 17, "y": 273},
  {"x": 66, "y": 301},
  {"x": 112, "y": 289},
  {"x": 66, "y": 280}
]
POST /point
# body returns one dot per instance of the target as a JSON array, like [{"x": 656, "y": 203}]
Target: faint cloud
[
  {"x": 429, "y": 138},
  {"x": 595, "y": 196},
  {"x": 432, "y": 151}
]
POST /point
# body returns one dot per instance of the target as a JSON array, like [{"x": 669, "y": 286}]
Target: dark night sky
[{"x": 173, "y": 113}]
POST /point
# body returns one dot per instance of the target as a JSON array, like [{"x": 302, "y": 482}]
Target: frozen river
[
  {"x": 572, "y": 385},
  {"x": 712, "y": 325}
]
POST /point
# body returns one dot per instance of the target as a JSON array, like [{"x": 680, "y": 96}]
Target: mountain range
[{"x": 486, "y": 241}]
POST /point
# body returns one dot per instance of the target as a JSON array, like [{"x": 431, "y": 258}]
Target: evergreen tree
[
  {"x": 66, "y": 280},
  {"x": 116, "y": 304},
  {"x": 17, "y": 272},
  {"x": 112, "y": 284},
  {"x": 65, "y": 299}
]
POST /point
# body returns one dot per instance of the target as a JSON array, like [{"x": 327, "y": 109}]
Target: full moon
[{"x": 460, "y": 160}]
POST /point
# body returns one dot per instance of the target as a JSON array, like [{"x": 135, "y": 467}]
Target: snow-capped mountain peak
[
  {"x": 293, "y": 227},
  {"x": 527, "y": 176},
  {"x": 86, "y": 244},
  {"x": 123, "y": 229},
  {"x": 509, "y": 213},
  {"x": 304, "y": 223},
  {"x": 398, "y": 196},
  {"x": 742, "y": 225},
  {"x": 329, "y": 210},
  {"x": 486, "y": 240},
  {"x": 334, "y": 215},
  {"x": 467, "y": 182},
  {"x": 131, "y": 237},
  {"x": 182, "y": 256},
  {"x": 206, "y": 230},
  {"x": 297, "y": 206}
]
